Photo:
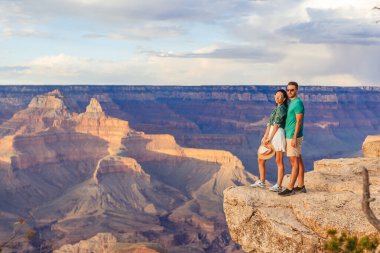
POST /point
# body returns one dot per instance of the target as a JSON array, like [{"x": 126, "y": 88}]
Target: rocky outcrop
[
  {"x": 102, "y": 242},
  {"x": 44, "y": 111},
  {"x": 95, "y": 122},
  {"x": 263, "y": 221},
  {"x": 371, "y": 146},
  {"x": 51, "y": 100},
  {"x": 106, "y": 242}
]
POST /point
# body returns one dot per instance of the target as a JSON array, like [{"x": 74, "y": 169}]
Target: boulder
[{"x": 371, "y": 146}]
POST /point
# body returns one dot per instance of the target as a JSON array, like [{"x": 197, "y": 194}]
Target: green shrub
[
  {"x": 349, "y": 244},
  {"x": 30, "y": 234}
]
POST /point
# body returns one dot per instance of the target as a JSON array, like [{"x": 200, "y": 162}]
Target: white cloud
[
  {"x": 64, "y": 69},
  {"x": 141, "y": 32},
  {"x": 232, "y": 52}
]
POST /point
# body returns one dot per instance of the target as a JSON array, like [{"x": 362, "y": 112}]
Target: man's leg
[
  {"x": 301, "y": 173},
  {"x": 293, "y": 155},
  {"x": 294, "y": 162}
]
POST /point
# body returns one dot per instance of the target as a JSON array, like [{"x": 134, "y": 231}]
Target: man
[{"x": 294, "y": 138}]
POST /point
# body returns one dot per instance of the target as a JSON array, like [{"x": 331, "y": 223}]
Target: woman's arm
[
  {"x": 278, "y": 119},
  {"x": 265, "y": 135},
  {"x": 275, "y": 127}
]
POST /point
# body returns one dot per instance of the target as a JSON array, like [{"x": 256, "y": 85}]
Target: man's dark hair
[{"x": 294, "y": 83}]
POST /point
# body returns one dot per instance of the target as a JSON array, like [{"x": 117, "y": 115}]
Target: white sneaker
[
  {"x": 275, "y": 188},
  {"x": 258, "y": 183}
]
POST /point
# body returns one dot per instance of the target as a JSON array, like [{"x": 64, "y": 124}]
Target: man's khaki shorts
[{"x": 290, "y": 151}]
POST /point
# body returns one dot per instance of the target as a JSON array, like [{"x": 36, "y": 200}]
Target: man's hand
[{"x": 293, "y": 143}]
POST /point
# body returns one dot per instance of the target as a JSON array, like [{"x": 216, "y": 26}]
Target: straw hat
[{"x": 266, "y": 151}]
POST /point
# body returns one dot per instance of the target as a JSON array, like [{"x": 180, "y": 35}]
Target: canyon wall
[
  {"x": 73, "y": 175},
  {"x": 231, "y": 118}
]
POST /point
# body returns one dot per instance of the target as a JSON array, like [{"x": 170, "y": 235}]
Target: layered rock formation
[
  {"x": 230, "y": 118},
  {"x": 73, "y": 160},
  {"x": 263, "y": 221},
  {"x": 80, "y": 174}
]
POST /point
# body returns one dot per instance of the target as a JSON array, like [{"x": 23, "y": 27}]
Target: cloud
[
  {"x": 116, "y": 19},
  {"x": 140, "y": 32},
  {"x": 31, "y": 33},
  {"x": 116, "y": 11},
  {"x": 325, "y": 26},
  {"x": 233, "y": 52},
  {"x": 16, "y": 22},
  {"x": 360, "y": 61},
  {"x": 301, "y": 64},
  {"x": 66, "y": 69},
  {"x": 13, "y": 69}
]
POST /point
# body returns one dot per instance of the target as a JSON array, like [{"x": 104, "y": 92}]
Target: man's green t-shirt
[{"x": 295, "y": 107}]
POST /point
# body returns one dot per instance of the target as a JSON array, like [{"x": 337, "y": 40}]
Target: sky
[{"x": 192, "y": 42}]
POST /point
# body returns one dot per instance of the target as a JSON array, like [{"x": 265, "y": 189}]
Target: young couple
[{"x": 285, "y": 132}]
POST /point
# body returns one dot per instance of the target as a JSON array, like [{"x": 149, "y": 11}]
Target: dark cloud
[
  {"x": 117, "y": 10},
  {"x": 361, "y": 61},
  {"x": 98, "y": 18},
  {"x": 326, "y": 27}
]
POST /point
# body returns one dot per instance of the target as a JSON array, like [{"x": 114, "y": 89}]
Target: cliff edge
[{"x": 263, "y": 221}]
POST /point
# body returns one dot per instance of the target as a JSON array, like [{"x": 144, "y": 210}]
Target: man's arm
[{"x": 299, "y": 117}]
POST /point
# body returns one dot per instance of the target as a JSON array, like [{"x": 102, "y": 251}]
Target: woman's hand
[{"x": 267, "y": 141}]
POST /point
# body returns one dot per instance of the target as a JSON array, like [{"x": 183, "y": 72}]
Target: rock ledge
[{"x": 262, "y": 221}]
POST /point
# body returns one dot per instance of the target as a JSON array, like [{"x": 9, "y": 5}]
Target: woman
[{"x": 275, "y": 134}]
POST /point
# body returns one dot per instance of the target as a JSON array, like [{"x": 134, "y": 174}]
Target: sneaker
[
  {"x": 300, "y": 189},
  {"x": 287, "y": 192},
  {"x": 258, "y": 183},
  {"x": 275, "y": 188}
]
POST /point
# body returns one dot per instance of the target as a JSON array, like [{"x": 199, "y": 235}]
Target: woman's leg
[
  {"x": 280, "y": 166},
  {"x": 262, "y": 169}
]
